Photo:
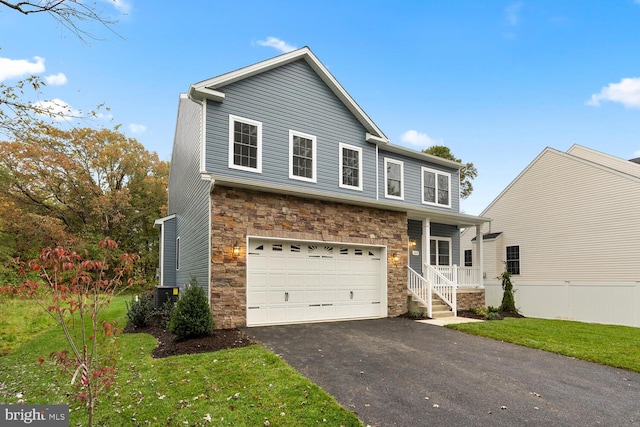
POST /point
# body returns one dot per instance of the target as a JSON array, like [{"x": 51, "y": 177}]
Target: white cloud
[
  {"x": 56, "y": 79},
  {"x": 626, "y": 92},
  {"x": 418, "y": 139},
  {"x": 12, "y": 68},
  {"x": 277, "y": 44},
  {"x": 59, "y": 109},
  {"x": 135, "y": 128},
  {"x": 512, "y": 13},
  {"x": 122, "y": 6}
]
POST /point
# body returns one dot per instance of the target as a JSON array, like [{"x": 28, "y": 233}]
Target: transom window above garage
[{"x": 245, "y": 144}]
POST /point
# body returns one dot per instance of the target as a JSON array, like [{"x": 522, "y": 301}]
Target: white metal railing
[
  {"x": 442, "y": 286},
  {"x": 462, "y": 276},
  {"x": 421, "y": 289}
]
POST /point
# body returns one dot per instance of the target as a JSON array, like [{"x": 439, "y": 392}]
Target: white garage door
[{"x": 294, "y": 282}]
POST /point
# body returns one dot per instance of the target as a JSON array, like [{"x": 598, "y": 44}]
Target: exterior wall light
[
  {"x": 395, "y": 258},
  {"x": 236, "y": 249},
  {"x": 412, "y": 243}
]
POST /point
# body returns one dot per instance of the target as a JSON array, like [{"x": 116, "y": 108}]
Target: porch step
[{"x": 438, "y": 308}]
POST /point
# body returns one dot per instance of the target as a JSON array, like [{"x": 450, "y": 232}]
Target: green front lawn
[
  {"x": 617, "y": 346},
  {"x": 241, "y": 387}
]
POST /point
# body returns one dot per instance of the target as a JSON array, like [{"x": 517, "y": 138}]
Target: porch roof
[{"x": 418, "y": 213}]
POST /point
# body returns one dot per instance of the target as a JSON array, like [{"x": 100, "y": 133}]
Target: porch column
[
  {"x": 426, "y": 237},
  {"x": 479, "y": 253}
]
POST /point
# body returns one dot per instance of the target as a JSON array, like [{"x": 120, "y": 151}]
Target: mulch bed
[{"x": 169, "y": 345}]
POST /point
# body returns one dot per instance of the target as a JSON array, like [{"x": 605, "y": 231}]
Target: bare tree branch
[{"x": 71, "y": 14}]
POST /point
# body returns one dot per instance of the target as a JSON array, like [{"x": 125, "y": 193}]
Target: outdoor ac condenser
[{"x": 162, "y": 294}]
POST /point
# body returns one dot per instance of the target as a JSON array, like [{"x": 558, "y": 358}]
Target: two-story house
[
  {"x": 288, "y": 203},
  {"x": 568, "y": 229}
]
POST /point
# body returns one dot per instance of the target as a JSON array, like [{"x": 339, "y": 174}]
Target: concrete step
[{"x": 441, "y": 314}]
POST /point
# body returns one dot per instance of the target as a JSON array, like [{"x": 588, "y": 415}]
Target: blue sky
[{"x": 496, "y": 81}]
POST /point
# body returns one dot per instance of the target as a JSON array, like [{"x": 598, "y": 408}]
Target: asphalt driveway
[{"x": 397, "y": 372}]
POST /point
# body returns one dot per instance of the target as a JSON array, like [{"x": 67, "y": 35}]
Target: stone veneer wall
[
  {"x": 238, "y": 213},
  {"x": 470, "y": 298}
]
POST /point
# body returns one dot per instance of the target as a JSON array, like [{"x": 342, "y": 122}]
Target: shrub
[
  {"x": 508, "y": 301},
  {"x": 140, "y": 310},
  {"x": 165, "y": 311},
  {"x": 191, "y": 317}
]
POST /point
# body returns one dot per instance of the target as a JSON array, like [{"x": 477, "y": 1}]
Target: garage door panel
[{"x": 293, "y": 282}]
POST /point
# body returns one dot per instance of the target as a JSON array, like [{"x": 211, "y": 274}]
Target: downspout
[{"x": 377, "y": 176}]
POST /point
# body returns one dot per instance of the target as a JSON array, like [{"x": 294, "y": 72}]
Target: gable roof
[
  {"x": 596, "y": 159},
  {"x": 629, "y": 167},
  {"x": 209, "y": 88}
]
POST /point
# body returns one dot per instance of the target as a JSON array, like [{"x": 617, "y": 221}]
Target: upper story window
[
  {"x": 436, "y": 187},
  {"x": 245, "y": 144},
  {"x": 350, "y": 167},
  {"x": 302, "y": 156},
  {"x": 394, "y": 179},
  {"x": 513, "y": 259}
]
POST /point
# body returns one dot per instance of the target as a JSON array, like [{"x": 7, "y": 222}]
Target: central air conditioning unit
[{"x": 162, "y": 294}]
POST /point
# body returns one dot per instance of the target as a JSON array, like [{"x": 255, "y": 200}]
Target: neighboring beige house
[{"x": 568, "y": 227}]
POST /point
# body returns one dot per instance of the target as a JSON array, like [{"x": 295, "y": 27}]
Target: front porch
[{"x": 437, "y": 284}]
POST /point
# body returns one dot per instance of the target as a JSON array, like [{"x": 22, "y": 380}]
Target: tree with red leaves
[{"x": 74, "y": 290}]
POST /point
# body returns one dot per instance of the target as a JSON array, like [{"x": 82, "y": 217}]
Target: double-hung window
[
  {"x": 350, "y": 167},
  {"x": 440, "y": 251},
  {"x": 245, "y": 144},
  {"x": 302, "y": 156},
  {"x": 436, "y": 187},
  {"x": 513, "y": 259},
  {"x": 394, "y": 179}
]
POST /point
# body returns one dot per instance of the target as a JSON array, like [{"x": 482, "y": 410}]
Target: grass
[
  {"x": 617, "y": 346},
  {"x": 20, "y": 321},
  {"x": 249, "y": 386}
]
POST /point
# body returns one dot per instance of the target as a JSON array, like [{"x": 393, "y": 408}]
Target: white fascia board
[
  {"x": 200, "y": 93},
  {"x": 162, "y": 220},
  {"x": 398, "y": 149},
  {"x": 462, "y": 220},
  {"x": 207, "y": 88}
]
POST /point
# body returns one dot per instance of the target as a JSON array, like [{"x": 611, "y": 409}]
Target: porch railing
[
  {"x": 462, "y": 276},
  {"x": 444, "y": 288},
  {"x": 421, "y": 289}
]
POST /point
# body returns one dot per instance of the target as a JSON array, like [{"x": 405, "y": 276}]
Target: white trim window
[
  {"x": 350, "y": 167},
  {"x": 245, "y": 144},
  {"x": 513, "y": 259},
  {"x": 468, "y": 258},
  {"x": 440, "y": 251},
  {"x": 302, "y": 156},
  {"x": 394, "y": 179},
  {"x": 436, "y": 187}
]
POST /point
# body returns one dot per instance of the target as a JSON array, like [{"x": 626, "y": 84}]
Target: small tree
[
  {"x": 73, "y": 291},
  {"x": 508, "y": 301},
  {"x": 191, "y": 317}
]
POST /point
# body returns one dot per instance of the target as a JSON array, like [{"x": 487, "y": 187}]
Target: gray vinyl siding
[
  {"x": 169, "y": 256},
  {"x": 413, "y": 182},
  {"x": 414, "y": 228},
  {"x": 189, "y": 197},
  {"x": 451, "y": 231},
  {"x": 291, "y": 97}
]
